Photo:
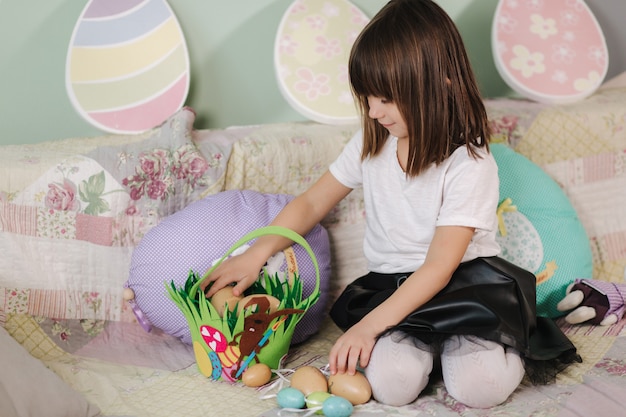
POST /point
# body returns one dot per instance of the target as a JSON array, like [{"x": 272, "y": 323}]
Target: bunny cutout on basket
[{"x": 594, "y": 301}]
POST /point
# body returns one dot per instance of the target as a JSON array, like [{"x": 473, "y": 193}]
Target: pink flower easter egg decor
[{"x": 550, "y": 51}]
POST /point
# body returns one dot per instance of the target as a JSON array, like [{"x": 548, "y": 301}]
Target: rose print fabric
[{"x": 68, "y": 233}]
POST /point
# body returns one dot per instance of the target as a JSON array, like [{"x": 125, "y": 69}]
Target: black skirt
[{"x": 487, "y": 297}]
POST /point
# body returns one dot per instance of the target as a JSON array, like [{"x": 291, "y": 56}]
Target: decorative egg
[
  {"x": 128, "y": 294},
  {"x": 316, "y": 399},
  {"x": 273, "y": 303},
  {"x": 311, "y": 53},
  {"x": 521, "y": 244},
  {"x": 208, "y": 365},
  {"x": 335, "y": 406},
  {"x": 256, "y": 375},
  {"x": 290, "y": 397},
  {"x": 217, "y": 365},
  {"x": 550, "y": 51},
  {"x": 225, "y": 298},
  {"x": 230, "y": 355},
  {"x": 354, "y": 388},
  {"x": 309, "y": 379},
  {"x": 127, "y": 67},
  {"x": 213, "y": 338}
]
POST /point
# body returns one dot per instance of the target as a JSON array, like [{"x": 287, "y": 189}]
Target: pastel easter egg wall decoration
[
  {"x": 311, "y": 53},
  {"x": 550, "y": 51},
  {"x": 127, "y": 67}
]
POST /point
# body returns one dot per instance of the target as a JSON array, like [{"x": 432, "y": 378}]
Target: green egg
[{"x": 316, "y": 399}]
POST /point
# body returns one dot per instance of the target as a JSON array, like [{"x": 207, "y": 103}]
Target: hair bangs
[
  {"x": 373, "y": 65},
  {"x": 369, "y": 76}
]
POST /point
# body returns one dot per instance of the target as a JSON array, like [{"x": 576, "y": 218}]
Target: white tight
[{"x": 477, "y": 372}]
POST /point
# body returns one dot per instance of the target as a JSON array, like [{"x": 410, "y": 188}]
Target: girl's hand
[
  {"x": 355, "y": 345},
  {"x": 240, "y": 269}
]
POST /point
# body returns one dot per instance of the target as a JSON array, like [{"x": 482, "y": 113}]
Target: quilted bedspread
[{"x": 128, "y": 372}]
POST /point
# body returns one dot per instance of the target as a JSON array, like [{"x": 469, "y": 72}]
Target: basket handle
[{"x": 263, "y": 231}]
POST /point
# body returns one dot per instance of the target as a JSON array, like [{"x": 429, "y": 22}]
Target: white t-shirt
[{"x": 402, "y": 213}]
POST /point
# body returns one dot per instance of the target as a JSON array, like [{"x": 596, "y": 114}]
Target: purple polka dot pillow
[{"x": 200, "y": 234}]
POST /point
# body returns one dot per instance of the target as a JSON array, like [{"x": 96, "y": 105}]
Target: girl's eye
[{"x": 381, "y": 100}]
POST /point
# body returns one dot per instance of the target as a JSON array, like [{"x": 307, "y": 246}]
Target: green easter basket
[{"x": 224, "y": 346}]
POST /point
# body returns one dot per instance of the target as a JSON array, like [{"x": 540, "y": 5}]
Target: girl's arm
[
  {"x": 444, "y": 256},
  {"x": 300, "y": 215}
]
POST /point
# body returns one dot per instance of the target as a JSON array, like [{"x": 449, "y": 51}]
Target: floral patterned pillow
[
  {"x": 75, "y": 210},
  {"x": 156, "y": 177}
]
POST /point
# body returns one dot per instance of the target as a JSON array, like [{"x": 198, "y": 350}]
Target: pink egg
[
  {"x": 550, "y": 51},
  {"x": 213, "y": 338}
]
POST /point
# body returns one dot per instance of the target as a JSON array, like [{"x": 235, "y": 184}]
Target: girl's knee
[
  {"x": 398, "y": 370},
  {"x": 480, "y": 373}
]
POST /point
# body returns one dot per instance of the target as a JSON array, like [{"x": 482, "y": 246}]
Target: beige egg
[
  {"x": 128, "y": 294},
  {"x": 256, "y": 375},
  {"x": 272, "y": 301},
  {"x": 225, "y": 297},
  {"x": 309, "y": 379},
  {"x": 354, "y": 388}
]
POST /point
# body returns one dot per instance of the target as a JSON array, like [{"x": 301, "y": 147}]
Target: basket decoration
[{"x": 225, "y": 345}]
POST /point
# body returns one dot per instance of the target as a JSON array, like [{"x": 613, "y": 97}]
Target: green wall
[{"x": 230, "y": 44}]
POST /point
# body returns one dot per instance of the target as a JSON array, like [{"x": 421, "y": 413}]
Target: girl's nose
[{"x": 374, "y": 111}]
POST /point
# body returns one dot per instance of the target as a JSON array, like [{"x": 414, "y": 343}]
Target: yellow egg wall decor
[
  {"x": 127, "y": 67},
  {"x": 311, "y": 53}
]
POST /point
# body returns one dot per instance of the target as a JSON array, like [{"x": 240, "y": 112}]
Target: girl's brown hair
[{"x": 412, "y": 54}]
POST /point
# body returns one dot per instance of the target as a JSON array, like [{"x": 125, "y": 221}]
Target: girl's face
[{"x": 387, "y": 114}]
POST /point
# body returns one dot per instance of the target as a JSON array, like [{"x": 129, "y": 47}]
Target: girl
[{"x": 431, "y": 192}]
